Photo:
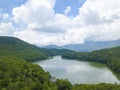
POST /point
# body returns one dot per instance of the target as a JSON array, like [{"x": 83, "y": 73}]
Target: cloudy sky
[{"x": 60, "y": 22}]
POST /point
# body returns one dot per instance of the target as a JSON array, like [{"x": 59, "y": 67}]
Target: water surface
[{"x": 78, "y": 71}]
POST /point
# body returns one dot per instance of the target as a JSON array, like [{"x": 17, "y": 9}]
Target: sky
[{"x": 60, "y": 22}]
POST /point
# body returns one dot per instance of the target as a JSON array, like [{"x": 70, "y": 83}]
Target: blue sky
[
  {"x": 6, "y": 6},
  {"x": 61, "y": 5}
]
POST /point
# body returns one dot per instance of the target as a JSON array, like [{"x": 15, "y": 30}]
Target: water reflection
[{"x": 78, "y": 71}]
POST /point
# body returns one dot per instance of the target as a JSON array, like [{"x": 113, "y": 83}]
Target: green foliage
[
  {"x": 101, "y": 86},
  {"x": 63, "y": 84},
  {"x": 17, "y": 74},
  {"x": 54, "y": 52}
]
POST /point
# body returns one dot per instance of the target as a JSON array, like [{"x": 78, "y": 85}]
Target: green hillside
[
  {"x": 110, "y": 57},
  {"x": 54, "y": 52},
  {"x": 16, "y": 47}
]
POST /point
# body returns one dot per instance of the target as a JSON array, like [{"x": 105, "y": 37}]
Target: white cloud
[
  {"x": 4, "y": 16},
  {"x": 6, "y": 29},
  {"x": 101, "y": 19},
  {"x": 38, "y": 11},
  {"x": 105, "y": 8},
  {"x": 67, "y": 10},
  {"x": 97, "y": 20}
]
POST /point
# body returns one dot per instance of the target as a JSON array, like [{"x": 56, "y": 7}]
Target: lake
[{"x": 78, "y": 72}]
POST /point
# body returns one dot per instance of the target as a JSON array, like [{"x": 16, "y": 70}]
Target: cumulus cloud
[
  {"x": 39, "y": 24},
  {"x": 39, "y": 11},
  {"x": 104, "y": 15},
  {"x": 67, "y": 10}
]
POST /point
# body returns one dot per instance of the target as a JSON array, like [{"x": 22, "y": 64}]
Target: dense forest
[
  {"x": 16, "y": 73},
  {"x": 110, "y": 57}
]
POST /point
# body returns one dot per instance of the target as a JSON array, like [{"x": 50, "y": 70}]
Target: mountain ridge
[{"x": 88, "y": 46}]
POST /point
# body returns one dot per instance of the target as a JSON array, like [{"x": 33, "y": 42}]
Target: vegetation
[
  {"x": 54, "y": 52},
  {"x": 101, "y": 86},
  {"x": 17, "y": 74},
  {"x": 110, "y": 57}
]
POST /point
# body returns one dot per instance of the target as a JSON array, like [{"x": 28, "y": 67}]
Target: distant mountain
[
  {"x": 87, "y": 46},
  {"x": 92, "y": 45},
  {"x": 52, "y": 47}
]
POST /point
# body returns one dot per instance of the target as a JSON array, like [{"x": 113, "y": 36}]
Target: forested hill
[
  {"x": 11, "y": 46},
  {"x": 110, "y": 57}
]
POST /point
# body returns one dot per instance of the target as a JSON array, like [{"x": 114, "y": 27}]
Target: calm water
[{"x": 78, "y": 71}]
